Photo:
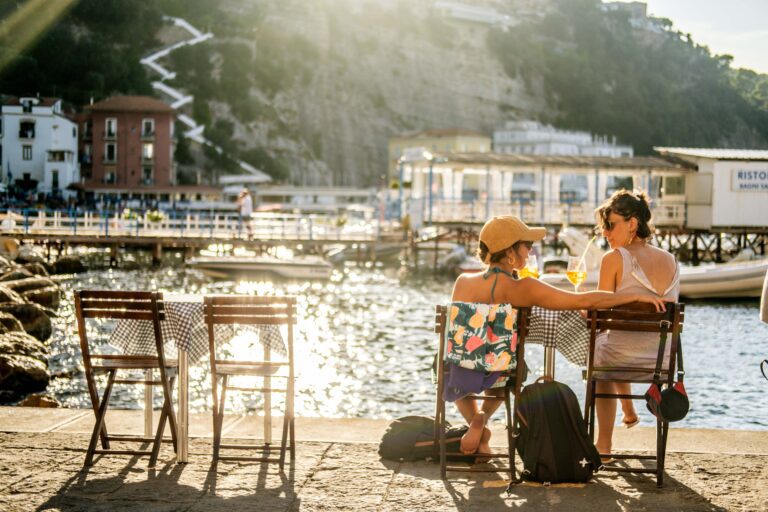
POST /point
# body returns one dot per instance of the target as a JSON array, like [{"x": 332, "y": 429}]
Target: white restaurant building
[{"x": 38, "y": 144}]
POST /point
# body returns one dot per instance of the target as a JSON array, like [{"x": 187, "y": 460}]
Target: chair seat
[
  {"x": 145, "y": 363},
  {"x": 257, "y": 369}
]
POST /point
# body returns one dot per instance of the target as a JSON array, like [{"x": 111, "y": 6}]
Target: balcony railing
[
  {"x": 26, "y": 134},
  {"x": 148, "y": 135},
  {"x": 665, "y": 212},
  {"x": 110, "y": 135}
]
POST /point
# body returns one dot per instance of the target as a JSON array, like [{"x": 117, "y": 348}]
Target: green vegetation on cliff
[{"x": 604, "y": 76}]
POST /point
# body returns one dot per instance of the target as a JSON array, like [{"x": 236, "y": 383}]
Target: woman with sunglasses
[
  {"x": 631, "y": 266},
  {"x": 504, "y": 246}
]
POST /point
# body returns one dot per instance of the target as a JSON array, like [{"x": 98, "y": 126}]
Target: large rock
[
  {"x": 23, "y": 365},
  {"x": 70, "y": 264},
  {"x": 32, "y": 317},
  {"x": 39, "y": 400},
  {"x": 39, "y": 290},
  {"x": 9, "y": 295},
  {"x": 14, "y": 274},
  {"x": 36, "y": 268},
  {"x": 9, "y": 323},
  {"x": 5, "y": 264},
  {"x": 30, "y": 254}
]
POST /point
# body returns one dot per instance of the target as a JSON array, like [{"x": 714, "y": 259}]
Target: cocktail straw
[{"x": 584, "y": 254}]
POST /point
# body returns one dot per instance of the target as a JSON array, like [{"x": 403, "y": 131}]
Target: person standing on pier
[
  {"x": 504, "y": 245},
  {"x": 245, "y": 209},
  {"x": 632, "y": 266}
]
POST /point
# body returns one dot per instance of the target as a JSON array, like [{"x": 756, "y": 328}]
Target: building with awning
[
  {"x": 543, "y": 189},
  {"x": 728, "y": 190}
]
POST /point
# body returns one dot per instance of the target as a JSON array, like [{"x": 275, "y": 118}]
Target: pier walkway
[{"x": 337, "y": 468}]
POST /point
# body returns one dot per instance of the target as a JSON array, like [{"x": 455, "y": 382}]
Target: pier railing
[
  {"x": 266, "y": 226},
  {"x": 665, "y": 212}
]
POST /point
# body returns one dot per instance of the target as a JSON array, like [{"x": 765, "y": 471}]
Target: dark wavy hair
[
  {"x": 629, "y": 205},
  {"x": 482, "y": 252}
]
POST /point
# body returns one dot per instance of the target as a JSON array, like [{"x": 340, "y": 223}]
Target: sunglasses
[
  {"x": 608, "y": 225},
  {"x": 527, "y": 244}
]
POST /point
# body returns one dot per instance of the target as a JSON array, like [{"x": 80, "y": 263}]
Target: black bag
[
  {"x": 553, "y": 441},
  {"x": 413, "y": 438},
  {"x": 670, "y": 403}
]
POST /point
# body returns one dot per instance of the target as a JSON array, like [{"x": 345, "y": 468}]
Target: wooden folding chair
[
  {"x": 637, "y": 318},
  {"x": 516, "y": 375},
  {"x": 254, "y": 311},
  {"x": 125, "y": 306}
]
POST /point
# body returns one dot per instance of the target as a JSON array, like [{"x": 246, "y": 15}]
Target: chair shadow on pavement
[
  {"x": 607, "y": 491},
  {"x": 118, "y": 484}
]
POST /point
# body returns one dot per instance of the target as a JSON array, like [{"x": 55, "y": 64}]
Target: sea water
[{"x": 365, "y": 343}]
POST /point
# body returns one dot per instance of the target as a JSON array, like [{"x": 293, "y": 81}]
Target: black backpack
[
  {"x": 413, "y": 438},
  {"x": 553, "y": 441}
]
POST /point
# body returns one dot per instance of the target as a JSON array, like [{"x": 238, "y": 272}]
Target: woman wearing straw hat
[
  {"x": 631, "y": 266},
  {"x": 504, "y": 246}
]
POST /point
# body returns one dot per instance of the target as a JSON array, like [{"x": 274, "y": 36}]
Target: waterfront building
[
  {"x": 728, "y": 189},
  {"x": 435, "y": 140},
  {"x": 38, "y": 146},
  {"x": 534, "y": 138},
  {"x": 471, "y": 187},
  {"x": 127, "y": 148}
]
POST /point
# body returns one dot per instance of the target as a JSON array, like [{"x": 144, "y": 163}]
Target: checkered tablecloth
[
  {"x": 566, "y": 331},
  {"x": 184, "y": 325}
]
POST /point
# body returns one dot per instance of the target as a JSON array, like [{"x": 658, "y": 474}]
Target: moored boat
[{"x": 300, "y": 267}]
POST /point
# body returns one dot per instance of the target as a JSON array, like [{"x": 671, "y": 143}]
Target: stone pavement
[{"x": 42, "y": 452}]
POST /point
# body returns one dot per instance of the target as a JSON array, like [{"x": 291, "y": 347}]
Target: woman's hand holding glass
[{"x": 576, "y": 271}]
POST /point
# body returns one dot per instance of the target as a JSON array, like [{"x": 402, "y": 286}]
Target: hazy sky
[{"x": 735, "y": 27}]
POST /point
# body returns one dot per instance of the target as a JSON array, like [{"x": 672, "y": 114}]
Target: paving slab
[{"x": 710, "y": 471}]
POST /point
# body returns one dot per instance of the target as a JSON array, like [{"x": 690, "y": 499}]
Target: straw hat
[{"x": 504, "y": 231}]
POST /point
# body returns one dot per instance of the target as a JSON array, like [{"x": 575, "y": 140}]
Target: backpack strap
[
  {"x": 680, "y": 368},
  {"x": 664, "y": 325}
]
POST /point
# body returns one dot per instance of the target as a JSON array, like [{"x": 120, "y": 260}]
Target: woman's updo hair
[
  {"x": 482, "y": 252},
  {"x": 629, "y": 205}
]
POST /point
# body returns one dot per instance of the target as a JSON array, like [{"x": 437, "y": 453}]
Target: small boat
[
  {"x": 384, "y": 251},
  {"x": 303, "y": 267},
  {"x": 739, "y": 278}
]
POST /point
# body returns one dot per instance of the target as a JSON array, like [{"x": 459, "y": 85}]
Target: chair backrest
[
  {"x": 639, "y": 317},
  {"x": 441, "y": 323},
  {"x": 249, "y": 310},
  {"x": 118, "y": 305}
]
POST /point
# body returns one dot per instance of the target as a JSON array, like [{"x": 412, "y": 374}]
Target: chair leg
[
  {"x": 219, "y": 419},
  {"x": 591, "y": 421},
  {"x": 441, "y": 437},
  {"x": 511, "y": 439},
  {"x": 284, "y": 440},
  {"x": 98, "y": 429},
  {"x": 662, "y": 429},
  {"x": 159, "y": 434}
]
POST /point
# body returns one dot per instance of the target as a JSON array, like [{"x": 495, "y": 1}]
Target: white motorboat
[
  {"x": 302, "y": 268},
  {"x": 384, "y": 251},
  {"x": 735, "y": 279}
]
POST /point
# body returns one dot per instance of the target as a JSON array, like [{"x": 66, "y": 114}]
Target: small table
[
  {"x": 185, "y": 325},
  {"x": 564, "y": 330}
]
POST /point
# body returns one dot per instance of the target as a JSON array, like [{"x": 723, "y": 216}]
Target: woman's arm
[
  {"x": 536, "y": 293},
  {"x": 610, "y": 270}
]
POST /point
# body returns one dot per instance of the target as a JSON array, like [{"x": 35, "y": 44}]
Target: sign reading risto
[{"x": 753, "y": 180}]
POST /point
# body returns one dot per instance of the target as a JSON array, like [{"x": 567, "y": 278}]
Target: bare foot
[
  {"x": 484, "y": 447},
  {"x": 471, "y": 440},
  {"x": 630, "y": 421}
]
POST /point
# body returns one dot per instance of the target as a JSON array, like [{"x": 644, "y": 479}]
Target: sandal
[{"x": 630, "y": 424}]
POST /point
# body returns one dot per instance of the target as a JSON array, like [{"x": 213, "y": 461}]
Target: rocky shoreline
[{"x": 29, "y": 298}]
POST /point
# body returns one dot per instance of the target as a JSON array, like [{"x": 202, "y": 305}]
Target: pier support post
[
  {"x": 719, "y": 248},
  {"x": 695, "y": 249},
  {"x": 157, "y": 254},
  {"x": 114, "y": 251}
]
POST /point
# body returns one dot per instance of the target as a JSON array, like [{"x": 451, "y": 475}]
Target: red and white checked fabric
[
  {"x": 184, "y": 325},
  {"x": 566, "y": 331}
]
